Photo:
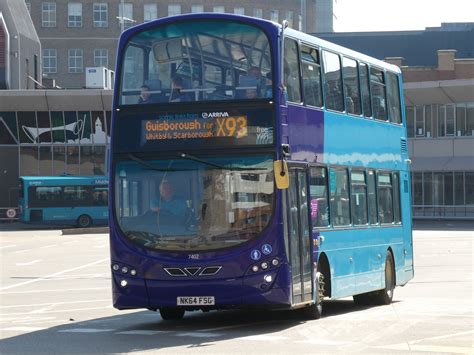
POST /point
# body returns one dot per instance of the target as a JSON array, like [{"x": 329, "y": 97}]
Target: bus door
[{"x": 299, "y": 234}]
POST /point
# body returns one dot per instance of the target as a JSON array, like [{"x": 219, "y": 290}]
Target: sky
[{"x": 399, "y": 15}]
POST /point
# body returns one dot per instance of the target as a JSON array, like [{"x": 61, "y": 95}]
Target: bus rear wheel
[
  {"x": 385, "y": 296},
  {"x": 84, "y": 221},
  {"x": 170, "y": 313}
]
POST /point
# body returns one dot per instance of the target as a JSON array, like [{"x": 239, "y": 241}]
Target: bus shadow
[{"x": 145, "y": 330}]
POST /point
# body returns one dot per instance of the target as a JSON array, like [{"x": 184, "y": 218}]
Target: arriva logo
[{"x": 214, "y": 114}]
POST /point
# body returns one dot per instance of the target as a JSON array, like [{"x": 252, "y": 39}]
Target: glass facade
[
  {"x": 443, "y": 194},
  {"x": 46, "y": 143},
  {"x": 433, "y": 121}
]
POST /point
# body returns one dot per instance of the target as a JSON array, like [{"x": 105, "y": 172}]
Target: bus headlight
[
  {"x": 275, "y": 262},
  {"x": 264, "y": 265},
  {"x": 268, "y": 278},
  {"x": 115, "y": 267},
  {"x": 133, "y": 272},
  {"x": 255, "y": 268},
  {"x": 124, "y": 269},
  {"x": 123, "y": 283}
]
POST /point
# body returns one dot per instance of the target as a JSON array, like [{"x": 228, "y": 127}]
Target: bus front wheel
[
  {"x": 84, "y": 221},
  {"x": 171, "y": 313}
]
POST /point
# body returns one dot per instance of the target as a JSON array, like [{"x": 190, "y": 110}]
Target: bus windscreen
[{"x": 194, "y": 61}]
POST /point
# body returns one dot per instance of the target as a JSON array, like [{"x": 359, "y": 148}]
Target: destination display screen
[{"x": 202, "y": 129}]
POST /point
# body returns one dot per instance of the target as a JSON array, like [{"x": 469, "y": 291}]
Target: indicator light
[
  {"x": 275, "y": 262},
  {"x": 264, "y": 265},
  {"x": 115, "y": 267},
  {"x": 133, "y": 272},
  {"x": 255, "y": 268},
  {"x": 124, "y": 269}
]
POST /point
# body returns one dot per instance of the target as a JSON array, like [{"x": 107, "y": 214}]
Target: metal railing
[{"x": 443, "y": 212}]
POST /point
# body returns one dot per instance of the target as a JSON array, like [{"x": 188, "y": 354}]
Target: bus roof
[
  {"x": 321, "y": 43},
  {"x": 309, "y": 39},
  {"x": 66, "y": 179}
]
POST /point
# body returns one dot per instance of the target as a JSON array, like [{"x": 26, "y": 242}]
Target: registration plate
[{"x": 195, "y": 301}]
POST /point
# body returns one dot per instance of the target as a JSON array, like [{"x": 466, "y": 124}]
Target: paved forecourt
[{"x": 55, "y": 297}]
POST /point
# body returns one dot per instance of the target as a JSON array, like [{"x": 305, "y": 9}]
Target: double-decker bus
[
  {"x": 68, "y": 200},
  {"x": 253, "y": 165}
]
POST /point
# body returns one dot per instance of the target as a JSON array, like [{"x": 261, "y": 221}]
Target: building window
[
  {"x": 50, "y": 61},
  {"x": 48, "y": 12},
  {"x": 101, "y": 57},
  {"x": 75, "y": 61},
  {"x": 197, "y": 8},
  {"x": 126, "y": 15},
  {"x": 100, "y": 15},
  {"x": 274, "y": 15},
  {"x": 239, "y": 11},
  {"x": 174, "y": 10},
  {"x": 258, "y": 13},
  {"x": 74, "y": 14},
  {"x": 150, "y": 12},
  {"x": 218, "y": 9}
]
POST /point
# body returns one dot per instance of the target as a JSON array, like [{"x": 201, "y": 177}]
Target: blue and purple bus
[{"x": 253, "y": 165}]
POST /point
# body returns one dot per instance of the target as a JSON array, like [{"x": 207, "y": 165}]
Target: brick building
[{"x": 83, "y": 33}]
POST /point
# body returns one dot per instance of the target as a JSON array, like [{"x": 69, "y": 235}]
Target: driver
[{"x": 168, "y": 204}]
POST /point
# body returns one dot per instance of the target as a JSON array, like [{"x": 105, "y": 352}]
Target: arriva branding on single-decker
[{"x": 214, "y": 114}]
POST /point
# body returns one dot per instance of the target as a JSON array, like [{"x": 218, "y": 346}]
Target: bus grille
[
  {"x": 193, "y": 271},
  {"x": 403, "y": 145}
]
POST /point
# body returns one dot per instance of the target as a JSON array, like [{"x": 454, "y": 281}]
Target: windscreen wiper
[
  {"x": 144, "y": 163},
  {"x": 223, "y": 167}
]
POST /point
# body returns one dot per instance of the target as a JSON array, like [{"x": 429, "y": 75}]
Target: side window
[
  {"x": 393, "y": 97},
  {"x": 377, "y": 87},
  {"x": 291, "y": 71},
  {"x": 311, "y": 70},
  {"x": 372, "y": 197},
  {"x": 358, "y": 198},
  {"x": 339, "y": 186},
  {"x": 332, "y": 82},
  {"x": 351, "y": 86},
  {"x": 365, "y": 92},
  {"x": 385, "y": 198},
  {"x": 318, "y": 186},
  {"x": 396, "y": 198}
]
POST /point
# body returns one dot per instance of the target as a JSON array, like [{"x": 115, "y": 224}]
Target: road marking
[
  {"x": 233, "y": 326},
  {"x": 23, "y": 329},
  {"x": 29, "y": 263},
  {"x": 22, "y": 251},
  {"x": 8, "y": 246},
  {"x": 55, "y": 303},
  {"x": 428, "y": 348},
  {"x": 56, "y": 290},
  {"x": 200, "y": 335},
  {"x": 53, "y": 275},
  {"x": 143, "y": 332},
  {"x": 324, "y": 342},
  {"x": 442, "y": 336},
  {"x": 85, "y": 330},
  {"x": 264, "y": 337},
  {"x": 49, "y": 246}
]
